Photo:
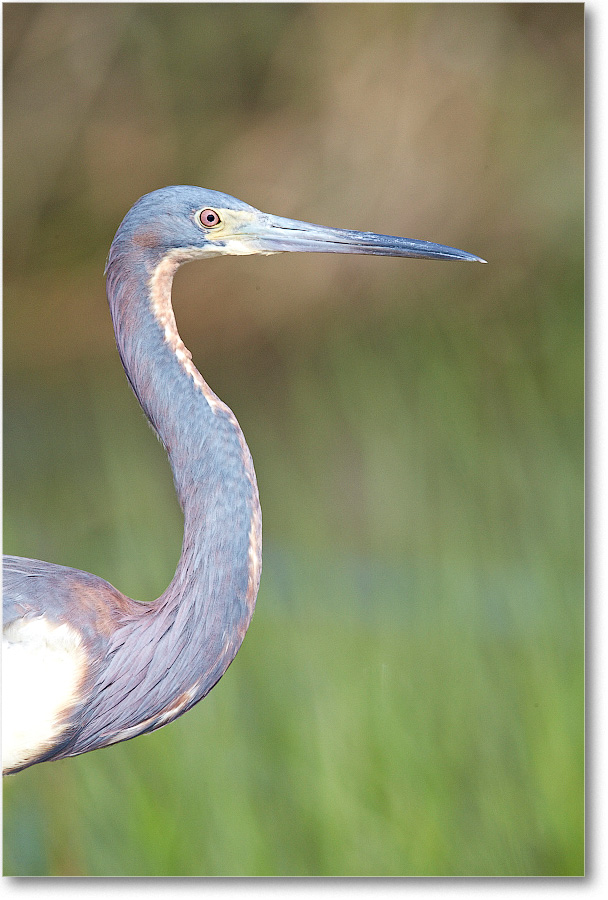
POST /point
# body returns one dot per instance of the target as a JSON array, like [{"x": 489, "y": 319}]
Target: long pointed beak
[{"x": 274, "y": 234}]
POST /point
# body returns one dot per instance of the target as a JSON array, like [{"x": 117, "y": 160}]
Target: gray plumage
[{"x": 137, "y": 666}]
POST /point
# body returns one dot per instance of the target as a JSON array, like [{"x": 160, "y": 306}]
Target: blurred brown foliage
[{"x": 457, "y": 123}]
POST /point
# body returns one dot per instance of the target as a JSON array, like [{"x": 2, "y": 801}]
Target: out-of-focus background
[{"x": 409, "y": 698}]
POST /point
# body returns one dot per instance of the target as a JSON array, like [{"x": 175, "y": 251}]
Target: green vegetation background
[{"x": 409, "y": 698}]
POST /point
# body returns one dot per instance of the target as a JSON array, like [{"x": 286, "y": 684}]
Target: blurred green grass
[{"x": 409, "y": 699}]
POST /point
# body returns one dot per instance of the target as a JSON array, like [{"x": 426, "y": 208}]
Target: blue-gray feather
[{"x": 150, "y": 662}]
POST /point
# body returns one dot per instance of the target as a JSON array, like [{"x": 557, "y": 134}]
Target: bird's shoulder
[
  {"x": 33, "y": 589},
  {"x": 57, "y": 632}
]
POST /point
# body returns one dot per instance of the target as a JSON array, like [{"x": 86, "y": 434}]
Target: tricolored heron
[{"x": 84, "y": 665}]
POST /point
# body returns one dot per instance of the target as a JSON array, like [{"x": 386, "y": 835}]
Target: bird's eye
[{"x": 209, "y": 218}]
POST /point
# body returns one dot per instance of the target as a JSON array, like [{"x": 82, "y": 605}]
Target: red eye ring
[{"x": 209, "y": 218}]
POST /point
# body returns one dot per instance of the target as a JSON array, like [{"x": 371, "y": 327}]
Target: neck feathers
[
  {"x": 199, "y": 432},
  {"x": 203, "y": 615}
]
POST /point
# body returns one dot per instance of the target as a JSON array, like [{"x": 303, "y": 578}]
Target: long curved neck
[
  {"x": 179, "y": 404},
  {"x": 202, "y": 617}
]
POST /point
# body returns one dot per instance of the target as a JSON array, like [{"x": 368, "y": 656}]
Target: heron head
[{"x": 190, "y": 222}]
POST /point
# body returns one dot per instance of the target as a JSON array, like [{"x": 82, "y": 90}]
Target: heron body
[{"x": 84, "y": 666}]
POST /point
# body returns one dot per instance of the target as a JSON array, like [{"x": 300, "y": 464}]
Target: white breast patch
[{"x": 43, "y": 666}]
